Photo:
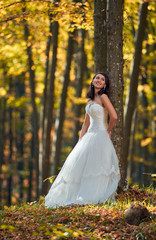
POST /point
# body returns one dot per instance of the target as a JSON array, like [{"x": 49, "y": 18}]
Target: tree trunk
[
  {"x": 132, "y": 149},
  {"x": 43, "y": 109},
  {"x": 10, "y": 146},
  {"x": 49, "y": 111},
  {"x": 115, "y": 69},
  {"x": 2, "y": 132},
  {"x": 61, "y": 116},
  {"x": 153, "y": 168},
  {"x": 100, "y": 35},
  {"x": 79, "y": 73},
  {"x": 33, "y": 95},
  {"x": 144, "y": 164},
  {"x": 31, "y": 166},
  {"x": 134, "y": 73},
  {"x": 20, "y": 123}
]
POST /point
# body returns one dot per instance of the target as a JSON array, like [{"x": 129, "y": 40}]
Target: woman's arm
[
  {"x": 111, "y": 111},
  {"x": 85, "y": 125}
]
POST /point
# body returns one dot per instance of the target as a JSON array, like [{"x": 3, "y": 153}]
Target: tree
[
  {"x": 80, "y": 63},
  {"x": 100, "y": 35},
  {"x": 115, "y": 70},
  {"x": 61, "y": 115},
  {"x": 33, "y": 95},
  {"x": 48, "y": 118},
  {"x": 130, "y": 104}
]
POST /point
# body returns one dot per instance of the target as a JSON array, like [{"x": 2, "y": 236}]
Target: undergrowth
[{"x": 104, "y": 221}]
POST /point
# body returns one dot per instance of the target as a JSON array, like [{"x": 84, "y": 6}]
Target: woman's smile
[{"x": 99, "y": 81}]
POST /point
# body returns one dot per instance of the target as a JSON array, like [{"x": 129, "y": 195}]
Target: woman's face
[{"x": 99, "y": 81}]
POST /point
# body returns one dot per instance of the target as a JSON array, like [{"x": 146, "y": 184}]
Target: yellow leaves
[
  {"x": 33, "y": 68},
  {"x": 37, "y": 100},
  {"x": 75, "y": 234},
  {"x": 29, "y": 44},
  {"x": 144, "y": 87},
  {"x": 10, "y": 100},
  {"x": 77, "y": 100},
  {"x": 40, "y": 88},
  {"x": 145, "y": 142},
  {"x": 8, "y": 227},
  {"x": 4, "y": 168},
  {"x": 3, "y": 92},
  {"x": 51, "y": 179}
]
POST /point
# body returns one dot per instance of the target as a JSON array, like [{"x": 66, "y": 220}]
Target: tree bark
[
  {"x": 2, "y": 131},
  {"x": 61, "y": 116},
  {"x": 145, "y": 134},
  {"x": 115, "y": 70},
  {"x": 100, "y": 35},
  {"x": 42, "y": 142},
  {"x": 134, "y": 73},
  {"x": 20, "y": 92},
  {"x": 49, "y": 111},
  {"x": 33, "y": 95},
  {"x": 10, "y": 145},
  {"x": 153, "y": 168},
  {"x": 79, "y": 73},
  {"x": 132, "y": 149}
]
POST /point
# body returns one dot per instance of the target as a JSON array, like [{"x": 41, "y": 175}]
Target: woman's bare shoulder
[
  {"x": 89, "y": 100},
  {"x": 104, "y": 98}
]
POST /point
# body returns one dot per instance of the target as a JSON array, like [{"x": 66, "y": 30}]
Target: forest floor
[{"x": 35, "y": 222}]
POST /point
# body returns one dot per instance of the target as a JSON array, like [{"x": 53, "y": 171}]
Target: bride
[{"x": 90, "y": 174}]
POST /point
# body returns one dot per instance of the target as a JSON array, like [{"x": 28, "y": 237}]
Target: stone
[{"x": 135, "y": 214}]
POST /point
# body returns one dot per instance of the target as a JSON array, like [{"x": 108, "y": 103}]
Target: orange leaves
[
  {"x": 75, "y": 222},
  {"x": 145, "y": 142}
]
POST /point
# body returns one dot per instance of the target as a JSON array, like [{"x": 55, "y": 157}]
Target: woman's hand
[{"x": 109, "y": 133}]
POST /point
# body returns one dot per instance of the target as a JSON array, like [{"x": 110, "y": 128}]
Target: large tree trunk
[
  {"x": 49, "y": 111},
  {"x": 33, "y": 95},
  {"x": 100, "y": 35},
  {"x": 80, "y": 63},
  {"x": 61, "y": 116},
  {"x": 115, "y": 70},
  {"x": 134, "y": 73}
]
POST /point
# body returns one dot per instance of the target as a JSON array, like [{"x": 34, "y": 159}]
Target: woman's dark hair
[{"x": 90, "y": 93}]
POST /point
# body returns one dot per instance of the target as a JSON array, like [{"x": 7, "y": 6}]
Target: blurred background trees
[{"x": 47, "y": 51}]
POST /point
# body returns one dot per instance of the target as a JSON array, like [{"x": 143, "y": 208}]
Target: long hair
[{"x": 90, "y": 93}]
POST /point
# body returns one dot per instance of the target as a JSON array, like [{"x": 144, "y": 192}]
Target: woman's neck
[{"x": 96, "y": 92}]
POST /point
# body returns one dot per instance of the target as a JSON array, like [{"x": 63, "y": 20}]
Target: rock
[{"x": 135, "y": 214}]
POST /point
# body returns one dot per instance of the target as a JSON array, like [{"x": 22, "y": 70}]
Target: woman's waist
[{"x": 96, "y": 127}]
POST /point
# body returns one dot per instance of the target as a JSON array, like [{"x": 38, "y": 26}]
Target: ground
[{"x": 35, "y": 222}]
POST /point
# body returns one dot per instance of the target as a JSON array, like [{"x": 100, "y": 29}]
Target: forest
[{"x": 49, "y": 51}]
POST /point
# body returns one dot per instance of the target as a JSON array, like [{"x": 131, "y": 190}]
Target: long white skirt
[{"x": 90, "y": 174}]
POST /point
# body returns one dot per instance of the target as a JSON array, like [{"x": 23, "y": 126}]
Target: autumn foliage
[{"x": 34, "y": 221}]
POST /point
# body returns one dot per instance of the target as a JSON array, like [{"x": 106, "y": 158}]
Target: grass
[{"x": 104, "y": 221}]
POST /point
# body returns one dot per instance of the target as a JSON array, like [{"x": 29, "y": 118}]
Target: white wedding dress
[{"x": 90, "y": 174}]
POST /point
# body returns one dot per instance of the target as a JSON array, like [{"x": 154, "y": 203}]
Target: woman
[{"x": 90, "y": 174}]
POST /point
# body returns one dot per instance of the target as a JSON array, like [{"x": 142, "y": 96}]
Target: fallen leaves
[{"x": 34, "y": 221}]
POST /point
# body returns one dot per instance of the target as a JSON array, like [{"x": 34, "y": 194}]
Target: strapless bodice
[{"x": 97, "y": 117}]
